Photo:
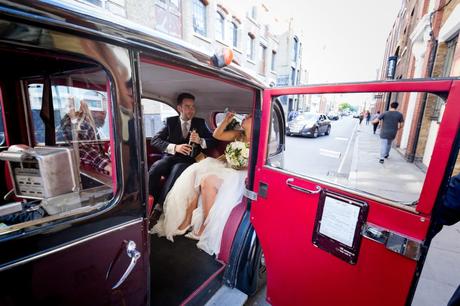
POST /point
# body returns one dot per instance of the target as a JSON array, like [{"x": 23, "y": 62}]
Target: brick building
[
  {"x": 245, "y": 26},
  {"x": 424, "y": 42}
]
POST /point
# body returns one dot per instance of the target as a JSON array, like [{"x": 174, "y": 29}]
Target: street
[{"x": 323, "y": 157}]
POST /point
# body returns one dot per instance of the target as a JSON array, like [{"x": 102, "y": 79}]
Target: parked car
[
  {"x": 309, "y": 124},
  {"x": 292, "y": 115},
  {"x": 333, "y": 116}
]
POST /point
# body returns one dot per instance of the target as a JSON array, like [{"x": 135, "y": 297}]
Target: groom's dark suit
[{"x": 172, "y": 134}]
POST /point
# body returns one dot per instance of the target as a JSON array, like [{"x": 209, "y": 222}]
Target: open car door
[{"x": 336, "y": 226}]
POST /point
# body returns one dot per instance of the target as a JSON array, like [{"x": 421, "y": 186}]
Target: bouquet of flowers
[{"x": 237, "y": 154}]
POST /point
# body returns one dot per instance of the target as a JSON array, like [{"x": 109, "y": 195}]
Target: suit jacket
[{"x": 172, "y": 133}]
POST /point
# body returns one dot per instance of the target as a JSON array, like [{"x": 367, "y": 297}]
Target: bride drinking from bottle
[{"x": 204, "y": 195}]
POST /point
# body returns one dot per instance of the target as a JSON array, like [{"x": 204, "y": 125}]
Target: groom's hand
[
  {"x": 195, "y": 137},
  {"x": 183, "y": 149}
]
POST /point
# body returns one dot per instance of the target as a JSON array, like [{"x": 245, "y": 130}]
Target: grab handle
[
  {"x": 134, "y": 255},
  {"x": 289, "y": 183}
]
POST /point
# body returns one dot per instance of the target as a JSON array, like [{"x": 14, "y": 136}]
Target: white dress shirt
[{"x": 171, "y": 148}]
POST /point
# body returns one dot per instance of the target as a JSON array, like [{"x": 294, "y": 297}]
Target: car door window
[
  {"x": 70, "y": 133},
  {"x": 348, "y": 153},
  {"x": 155, "y": 114}
]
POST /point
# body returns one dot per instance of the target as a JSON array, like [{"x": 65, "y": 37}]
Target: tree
[{"x": 346, "y": 106}]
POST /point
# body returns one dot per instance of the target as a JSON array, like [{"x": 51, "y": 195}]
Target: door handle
[
  {"x": 134, "y": 255},
  {"x": 289, "y": 183}
]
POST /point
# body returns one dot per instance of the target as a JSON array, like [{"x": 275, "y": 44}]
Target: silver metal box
[{"x": 42, "y": 172}]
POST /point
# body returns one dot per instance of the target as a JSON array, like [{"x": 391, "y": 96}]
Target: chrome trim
[
  {"x": 251, "y": 195},
  {"x": 72, "y": 244},
  {"x": 134, "y": 255},
  {"x": 351, "y": 191},
  {"x": 25, "y": 100},
  {"x": 302, "y": 189},
  {"x": 400, "y": 244}
]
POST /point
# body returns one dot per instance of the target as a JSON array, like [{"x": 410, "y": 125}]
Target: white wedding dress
[{"x": 186, "y": 186}]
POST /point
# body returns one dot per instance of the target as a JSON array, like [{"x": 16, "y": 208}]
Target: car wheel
[
  {"x": 328, "y": 131},
  {"x": 316, "y": 133}
]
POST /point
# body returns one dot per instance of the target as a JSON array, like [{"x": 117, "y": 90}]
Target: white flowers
[{"x": 237, "y": 154}]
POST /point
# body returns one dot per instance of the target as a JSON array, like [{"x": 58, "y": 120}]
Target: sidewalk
[
  {"x": 395, "y": 179},
  {"x": 400, "y": 180}
]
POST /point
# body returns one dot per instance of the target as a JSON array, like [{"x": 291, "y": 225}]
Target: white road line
[
  {"x": 329, "y": 153},
  {"x": 347, "y": 150}
]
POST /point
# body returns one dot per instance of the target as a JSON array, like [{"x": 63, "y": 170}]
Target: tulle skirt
[{"x": 185, "y": 189}]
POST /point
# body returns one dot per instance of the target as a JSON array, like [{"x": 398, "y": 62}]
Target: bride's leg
[
  {"x": 209, "y": 187},
  {"x": 189, "y": 212}
]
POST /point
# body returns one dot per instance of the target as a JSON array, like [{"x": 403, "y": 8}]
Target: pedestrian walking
[
  {"x": 374, "y": 123},
  {"x": 392, "y": 121},
  {"x": 361, "y": 117},
  {"x": 368, "y": 117}
]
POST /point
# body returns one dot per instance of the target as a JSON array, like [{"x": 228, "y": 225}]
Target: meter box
[{"x": 42, "y": 172}]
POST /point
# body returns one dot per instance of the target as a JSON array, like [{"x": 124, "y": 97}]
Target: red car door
[{"x": 329, "y": 242}]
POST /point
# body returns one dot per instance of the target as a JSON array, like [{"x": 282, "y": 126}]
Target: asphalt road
[{"x": 325, "y": 156}]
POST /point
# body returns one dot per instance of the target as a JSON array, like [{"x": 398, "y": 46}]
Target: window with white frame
[
  {"x": 168, "y": 17},
  {"x": 199, "y": 17},
  {"x": 250, "y": 46},
  {"x": 295, "y": 47},
  {"x": 446, "y": 69},
  {"x": 220, "y": 26},
  {"x": 273, "y": 65},
  {"x": 233, "y": 34},
  {"x": 263, "y": 59},
  {"x": 253, "y": 13}
]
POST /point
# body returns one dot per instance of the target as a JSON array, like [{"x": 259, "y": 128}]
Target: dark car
[
  {"x": 309, "y": 124},
  {"x": 333, "y": 116}
]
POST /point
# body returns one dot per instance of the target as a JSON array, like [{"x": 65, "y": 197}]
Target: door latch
[
  {"x": 395, "y": 242},
  {"x": 251, "y": 195}
]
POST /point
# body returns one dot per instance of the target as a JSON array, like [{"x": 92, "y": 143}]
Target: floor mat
[{"x": 177, "y": 269}]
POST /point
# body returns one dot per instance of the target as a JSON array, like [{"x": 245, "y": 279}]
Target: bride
[{"x": 204, "y": 195}]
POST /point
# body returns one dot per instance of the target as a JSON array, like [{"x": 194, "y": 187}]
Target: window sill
[
  {"x": 253, "y": 21},
  {"x": 237, "y": 50},
  {"x": 251, "y": 61},
  {"x": 222, "y": 42},
  {"x": 202, "y": 37}
]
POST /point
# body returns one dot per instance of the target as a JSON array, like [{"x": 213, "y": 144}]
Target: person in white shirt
[{"x": 181, "y": 139}]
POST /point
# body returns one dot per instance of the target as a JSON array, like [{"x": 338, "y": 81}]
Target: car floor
[{"x": 177, "y": 269}]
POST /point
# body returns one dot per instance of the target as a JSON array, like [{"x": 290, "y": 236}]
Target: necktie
[{"x": 185, "y": 129}]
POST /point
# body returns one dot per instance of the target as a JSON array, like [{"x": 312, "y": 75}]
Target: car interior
[
  {"x": 162, "y": 84},
  {"x": 37, "y": 86}
]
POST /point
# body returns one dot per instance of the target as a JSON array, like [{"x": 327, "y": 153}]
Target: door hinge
[
  {"x": 395, "y": 242},
  {"x": 251, "y": 195}
]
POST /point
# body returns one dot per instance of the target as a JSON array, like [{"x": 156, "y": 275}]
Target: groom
[{"x": 174, "y": 140}]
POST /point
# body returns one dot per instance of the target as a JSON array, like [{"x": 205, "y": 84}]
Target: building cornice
[{"x": 420, "y": 37}]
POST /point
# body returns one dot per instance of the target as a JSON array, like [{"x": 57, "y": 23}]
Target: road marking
[
  {"x": 347, "y": 150},
  {"x": 341, "y": 138},
  {"x": 329, "y": 153}
]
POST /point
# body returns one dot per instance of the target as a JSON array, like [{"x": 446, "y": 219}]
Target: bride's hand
[{"x": 228, "y": 117}]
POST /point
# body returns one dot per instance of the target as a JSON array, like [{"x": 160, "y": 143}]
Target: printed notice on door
[{"x": 339, "y": 220}]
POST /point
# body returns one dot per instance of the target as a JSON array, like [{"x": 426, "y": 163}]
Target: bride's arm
[{"x": 221, "y": 134}]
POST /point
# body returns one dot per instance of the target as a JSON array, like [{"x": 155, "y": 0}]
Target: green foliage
[{"x": 344, "y": 106}]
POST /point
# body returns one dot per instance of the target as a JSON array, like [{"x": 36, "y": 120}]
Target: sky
[{"x": 343, "y": 40}]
